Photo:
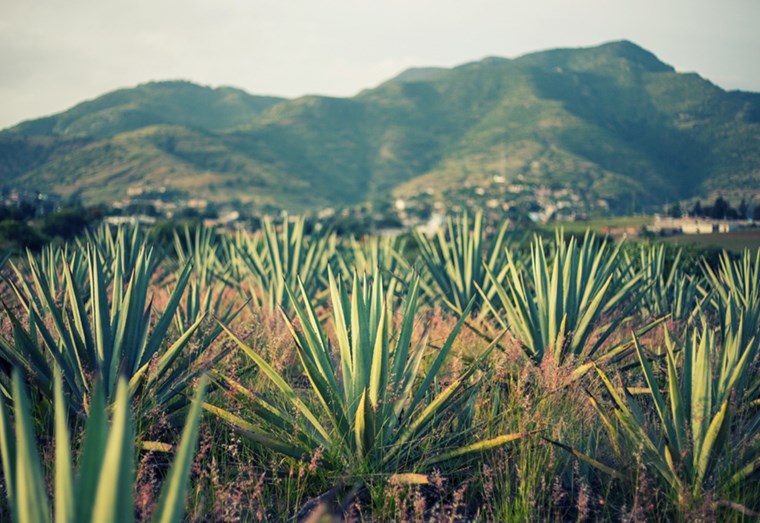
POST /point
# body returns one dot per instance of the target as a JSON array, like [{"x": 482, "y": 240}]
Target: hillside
[{"x": 611, "y": 121}]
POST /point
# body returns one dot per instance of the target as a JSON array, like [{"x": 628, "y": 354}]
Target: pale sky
[{"x": 56, "y": 53}]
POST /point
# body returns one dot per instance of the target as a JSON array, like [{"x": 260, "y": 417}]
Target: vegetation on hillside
[{"x": 612, "y": 122}]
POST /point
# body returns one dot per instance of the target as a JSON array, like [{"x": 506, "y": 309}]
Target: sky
[{"x": 57, "y": 53}]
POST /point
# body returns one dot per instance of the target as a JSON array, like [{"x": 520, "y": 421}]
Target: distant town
[{"x": 523, "y": 202}]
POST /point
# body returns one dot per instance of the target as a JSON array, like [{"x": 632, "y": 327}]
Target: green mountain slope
[
  {"x": 155, "y": 103},
  {"x": 612, "y": 121}
]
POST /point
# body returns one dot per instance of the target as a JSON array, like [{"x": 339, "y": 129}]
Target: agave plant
[
  {"x": 101, "y": 489},
  {"x": 736, "y": 299},
  {"x": 119, "y": 247},
  {"x": 202, "y": 248},
  {"x": 555, "y": 305},
  {"x": 737, "y": 281},
  {"x": 456, "y": 262},
  {"x": 283, "y": 258},
  {"x": 375, "y": 252},
  {"x": 736, "y": 288},
  {"x": 376, "y": 410},
  {"x": 86, "y": 334},
  {"x": 670, "y": 291},
  {"x": 695, "y": 430},
  {"x": 207, "y": 290},
  {"x": 49, "y": 263}
]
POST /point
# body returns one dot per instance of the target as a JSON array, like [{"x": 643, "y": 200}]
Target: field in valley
[{"x": 281, "y": 376}]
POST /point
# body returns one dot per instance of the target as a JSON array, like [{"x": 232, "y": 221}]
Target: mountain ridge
[{"x": 613, "y": 120}]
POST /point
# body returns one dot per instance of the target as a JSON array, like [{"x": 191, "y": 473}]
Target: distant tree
[
  {"x": 350, "y": 225},
  {"x": 675, "y": 211},
  {"x": 696, "y": 211},
  {"x": 719, "y": 209},
  {"x": 211, "y": 212},
  {"x": 97, "y": 213},
  {"x": 19, "y": 235},
  {"x": 25, "y": 211},
  {"x": 22, "y": 212},
  {"x": 388, "y": 222},
  {"x": 148, "y": 209},
  {"x": 188, "y": 213},
  {"x": 65, "y": 223},
  {"x": 743, "y": 210},
  {"x": 756, "y": 213},
  {"x": 254, "y": 223}
]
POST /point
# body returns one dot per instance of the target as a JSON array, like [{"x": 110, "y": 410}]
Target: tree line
[{"x": 720, "y": 210}]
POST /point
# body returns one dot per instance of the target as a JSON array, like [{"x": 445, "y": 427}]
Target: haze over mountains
[{"x": 613, "y": 121}]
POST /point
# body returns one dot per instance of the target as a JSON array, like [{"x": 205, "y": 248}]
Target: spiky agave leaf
[
  {"x": 386, "y": 253},
  {"x": 668, "y": 289},
  {"x": 103, "y": 326},
  {"x": 457, "y": 262},
  {"x": 554, "y": 304},
  {"x": 101, "y": 490},
  {"x": 374, "y": 405},
  {"x": 280, "y": 258},
  {"x": 694, "y": 427}
]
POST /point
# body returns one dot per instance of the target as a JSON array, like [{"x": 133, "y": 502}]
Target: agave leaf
[
  {"x": 479, "y": 447},
  {"x": 155, "y": 446},
  {"x": 379, "y": 366},
  {"x": 30, "y": 503},
  {"x": 164, "y": 322},
  {"x": 455, "y": 260},
  {"x": 171, "y": 505},
  {"x": 677, "y": 412},
  {"x": 612, "y": 430},
  {"x": 250, "y": 431},
  {"x": 716, "y": 432},
  {"x": 658, "y": 400},
  {"x": 8, "y": 452},
  {"x": 312, "y": 338},
  {"x": 588, "y": 459},
  {"x": 64, "y": 481},
  {"x": 93, "y": 454},
  {"x": 113, "y": 496},
  {"x": 744, "y": 473},
  {"x": 442, "y": 354},
  {"x": 401, "y": 355},
  {"x": 263, "y": 409},
  {"x": 282, "y": 385},
  {"x": 171, "y": 354},
  {"x": 419, "y": 421},
  {"x": 341, "y": 332},
  {"x": 364, "y": 427}
]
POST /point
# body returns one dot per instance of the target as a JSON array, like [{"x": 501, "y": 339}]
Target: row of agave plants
[{"x": 111, "y": 328}]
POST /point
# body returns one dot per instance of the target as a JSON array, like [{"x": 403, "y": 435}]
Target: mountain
[
  {"x": 612, "y": 121},
  {"x": 155, "y": 103}
]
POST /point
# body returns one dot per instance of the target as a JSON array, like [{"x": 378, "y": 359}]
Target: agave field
[{"x": 477, "y": 375}]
